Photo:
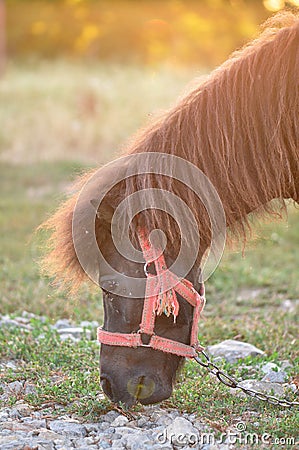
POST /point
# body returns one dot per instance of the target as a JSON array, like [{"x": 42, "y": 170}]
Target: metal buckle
[
  {"x": 145, "y": 268},
  {"x": 142, "y": 344}
]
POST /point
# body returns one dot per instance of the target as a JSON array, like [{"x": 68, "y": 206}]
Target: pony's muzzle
[
  {"x": 107, "y": 386},
  {"x": 142, "y": 388}
]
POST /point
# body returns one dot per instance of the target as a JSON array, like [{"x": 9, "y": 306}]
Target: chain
[{"x": 229, "y": 381}]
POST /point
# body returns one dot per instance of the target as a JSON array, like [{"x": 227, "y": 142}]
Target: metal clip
[{"x": 145, "y": 269}]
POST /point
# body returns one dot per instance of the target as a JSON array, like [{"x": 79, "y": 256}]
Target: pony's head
[
  {"x": 136, "y": 371},
  {"x": 140, "y": 374}
]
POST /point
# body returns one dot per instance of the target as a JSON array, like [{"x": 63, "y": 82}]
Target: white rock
[
  {"x": 265, "y": 387},
  {"x": 15, "y": 387},
  {"x": 76, "y": 332},
  {"x": 233, "y": 350},
  {"x": 181, "y": 432},
  {"x": 289, "y": 305},
  {"x": 93, "y": 427},
  {"x": 7, "y": 321},
  {"x": 273, "y": 373},
  {"x": 72, "y": 428},
  {"x": 8, "y": 365},
  {"x": 29, "y": 388},
  {"x": 120, "y": 421},
  {"x": 164, "y": 419},
  {"x": 4, "y": 415},
  {"x": 49, "y": 435},
  {"x": 23, "y": 409},
  {"x": 138, "y": 441},
  {"x": 268, "y": 367},
  {"x": 164, "y": 447},
  {"x": 92, "y": 324},
  {"x": 36, "y": 423},
  {"x": 116, "y": 445},
  {"x": 286, "y": 364},
  {"x": 29, "y": 315},
  {"x": 110, "y": 416},
  {"x": 66, "y": 336},
  {"x": 275, "y": 377},
  {"x": 62, "y": 323}
]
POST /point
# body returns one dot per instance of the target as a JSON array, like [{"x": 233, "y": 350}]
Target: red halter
[{"x": 160, "y": 297}]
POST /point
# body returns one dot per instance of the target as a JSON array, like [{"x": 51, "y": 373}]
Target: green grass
[
  {"x": 199, "y": 393},
  {"x": 66, "y": 377},
  {"x": 64, "y": 374},
  {"x": 30, "y": 192}
]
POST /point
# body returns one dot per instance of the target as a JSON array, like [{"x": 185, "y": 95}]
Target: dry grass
[{"x": 63, "y": 110}]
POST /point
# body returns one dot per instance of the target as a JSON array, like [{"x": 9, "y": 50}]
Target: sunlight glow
[
  {"x": 274, "y": 5},
  {"x": 38, "y": 28}
]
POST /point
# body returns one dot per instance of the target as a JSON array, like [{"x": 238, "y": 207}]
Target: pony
[{"x": 240, "y": 129}]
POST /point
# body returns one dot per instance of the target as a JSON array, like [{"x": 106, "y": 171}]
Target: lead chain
[{"x": 231, "y": 382}]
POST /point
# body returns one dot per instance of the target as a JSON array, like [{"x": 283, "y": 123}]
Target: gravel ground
[{"x": 24, "y": 428}]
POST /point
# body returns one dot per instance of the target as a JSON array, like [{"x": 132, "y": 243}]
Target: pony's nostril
[
  {"x": 106, "y": 386},
  {"x": 141, "y": 388}
]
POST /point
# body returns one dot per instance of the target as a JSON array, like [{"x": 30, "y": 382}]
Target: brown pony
[{"x": 240, "y": 128}]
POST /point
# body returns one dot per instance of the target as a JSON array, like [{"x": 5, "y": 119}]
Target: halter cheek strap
[{"x": 160, "y": 297}]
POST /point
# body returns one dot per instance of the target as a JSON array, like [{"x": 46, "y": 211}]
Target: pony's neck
[
  {"x": 240, "y": 128},
  {"x": 250, "y": 191}
]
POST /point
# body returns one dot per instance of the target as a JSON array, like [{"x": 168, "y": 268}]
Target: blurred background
[{"x": 77, "y": 78}]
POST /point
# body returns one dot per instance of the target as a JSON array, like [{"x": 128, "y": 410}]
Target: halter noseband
[{"x": 160, "y": 297}]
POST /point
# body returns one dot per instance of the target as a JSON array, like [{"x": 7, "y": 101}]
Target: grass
[
  {"x": 100, "y": 106},
  {"x": 66, "y": 377},
  {"x": 63, "y": 374},
  {"x": 245, "y": 295},
  {"x": 29, "y": 194}
]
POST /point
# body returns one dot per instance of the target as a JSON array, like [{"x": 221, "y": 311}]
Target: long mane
[{"x": 240, "y": 127}]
